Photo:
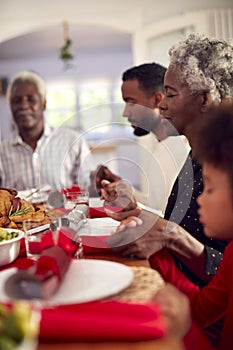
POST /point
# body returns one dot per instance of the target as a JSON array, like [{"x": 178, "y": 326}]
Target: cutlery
[{"x": 44, "y": 188}]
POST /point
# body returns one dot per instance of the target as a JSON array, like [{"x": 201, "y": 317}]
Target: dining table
[
  {"x": 164, "y": 342},
  {"x": 167, "y": 342}
]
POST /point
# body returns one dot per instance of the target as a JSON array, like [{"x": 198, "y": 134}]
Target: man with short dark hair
[
  {"x": 143, "y": 85},
  {"x": 160, "y": 162}
]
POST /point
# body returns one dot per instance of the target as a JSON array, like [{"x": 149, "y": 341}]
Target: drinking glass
[
  {"x": 71, "y": 199},
  {"x": 34, "y": 236},
  {"x": 65, "y": 233}
]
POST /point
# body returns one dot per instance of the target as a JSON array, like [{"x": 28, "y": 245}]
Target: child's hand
[{"x": 176, "y": 306}]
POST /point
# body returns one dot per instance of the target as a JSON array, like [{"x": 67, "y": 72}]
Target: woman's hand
[{"x": 139, "y": 236}]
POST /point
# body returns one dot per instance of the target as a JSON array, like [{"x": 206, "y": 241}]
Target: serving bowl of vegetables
[{"x": 9, "y": 245}]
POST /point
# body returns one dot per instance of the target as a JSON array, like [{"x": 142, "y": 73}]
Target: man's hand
[
  {"x": 120, "y": 194},
  {"x": 114, "y": 191},
  {"x": 101, "y": 173},
  {"x": 108, "y": 191}
]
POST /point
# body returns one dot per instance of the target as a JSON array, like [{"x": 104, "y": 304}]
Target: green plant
[{"x": 65, "y": 53}]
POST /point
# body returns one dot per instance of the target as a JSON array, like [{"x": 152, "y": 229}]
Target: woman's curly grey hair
[
  {"x": 29, "y": 77},
  {"x": 205, "y": 65}
]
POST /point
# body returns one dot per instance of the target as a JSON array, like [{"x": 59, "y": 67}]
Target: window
[
  {"x": 94, "y": 103},
  {"x": 61, "y": 106},
  {"x": 94, "y": 107}
]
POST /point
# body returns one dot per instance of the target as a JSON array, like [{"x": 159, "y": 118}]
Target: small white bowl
[{"x": 9, "y": 250}]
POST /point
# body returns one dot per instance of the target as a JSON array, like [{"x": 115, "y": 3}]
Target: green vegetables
[
  {"x": 10, "y": 332},
  {"x": 15, "y": 324},
  {"x": 5, "y": 235}
]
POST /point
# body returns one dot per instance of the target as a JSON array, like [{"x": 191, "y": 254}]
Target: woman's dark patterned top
[{"x": 182, "y": 208}]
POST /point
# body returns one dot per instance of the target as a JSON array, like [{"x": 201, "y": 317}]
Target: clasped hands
[{"x": 140, "y": 232}]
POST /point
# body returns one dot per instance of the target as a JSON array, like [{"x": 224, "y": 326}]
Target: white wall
[
  {"x": 22, "y": 16},
  {"x": 156, "y": 11}
]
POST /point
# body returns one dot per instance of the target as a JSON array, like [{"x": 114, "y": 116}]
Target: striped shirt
[{"x": 61, "y": 158}]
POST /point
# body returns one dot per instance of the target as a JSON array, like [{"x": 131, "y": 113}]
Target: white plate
[
  {"x": 86, "y": 280},
  {"x": 152, "y": 210},
  {"x": 98, "y": 227},
  {"x": 37, "y": 197},
  {"x": 96, "y": 202}
]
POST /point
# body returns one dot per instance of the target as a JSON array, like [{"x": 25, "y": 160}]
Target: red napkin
[
  {"x": 74, "y": 188},
  {"x": 99, "y": 212},
  {"x": 103, "y": 320},
  {"x": 44, "y": 278}
]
